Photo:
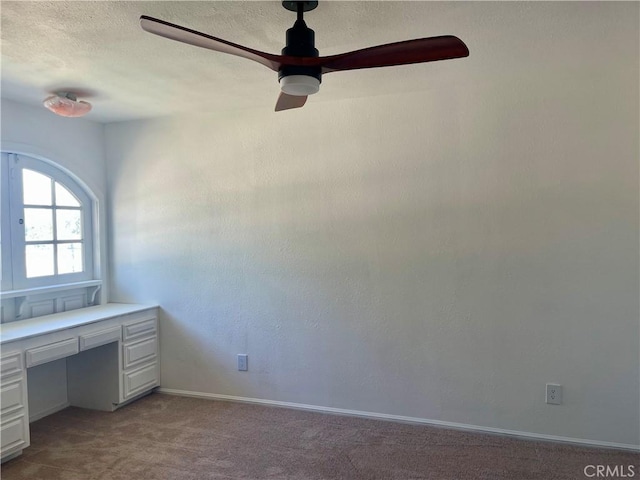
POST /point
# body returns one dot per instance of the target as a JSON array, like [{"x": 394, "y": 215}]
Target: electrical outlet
[
  {"x": 554, "y": 394},
  {"x": 243, "y": 362}
]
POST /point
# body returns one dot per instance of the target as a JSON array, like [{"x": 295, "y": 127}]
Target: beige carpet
[{"x": 169, "y": 437}]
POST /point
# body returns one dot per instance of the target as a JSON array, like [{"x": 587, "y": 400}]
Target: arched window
[{"x": 47, "y": 234}]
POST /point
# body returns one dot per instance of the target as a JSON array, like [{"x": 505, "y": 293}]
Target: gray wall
[{"x": 440, "y": 254}]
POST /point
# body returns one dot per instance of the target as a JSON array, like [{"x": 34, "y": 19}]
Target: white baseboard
[
  {"x": 400, "y": 418},
  {"x": 56, "y": 408}
]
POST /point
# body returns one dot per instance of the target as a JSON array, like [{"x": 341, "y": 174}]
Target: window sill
[{"x": 49, "y": 289}]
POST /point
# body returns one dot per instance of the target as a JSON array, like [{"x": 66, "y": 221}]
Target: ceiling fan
[{"x": 300, "y": 68}]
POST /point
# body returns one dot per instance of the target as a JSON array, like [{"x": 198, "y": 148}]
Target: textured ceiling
[{"x": 99, "y": 48}]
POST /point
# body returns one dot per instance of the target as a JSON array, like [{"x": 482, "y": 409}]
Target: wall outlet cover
[
  {"x": 243, "y": 362},
  {"x": 554, "y": 394}
]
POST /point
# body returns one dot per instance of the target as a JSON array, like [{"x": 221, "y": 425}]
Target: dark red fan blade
[
  {"x": 191, "y": 37},
  {"x": 286, "y": 101},
  {"x": 399, "y": 53}
]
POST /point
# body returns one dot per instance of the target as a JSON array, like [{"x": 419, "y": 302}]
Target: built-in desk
[{"x": 111, "y": 354}]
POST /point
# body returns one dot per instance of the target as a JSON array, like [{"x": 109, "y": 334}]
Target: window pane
[
  {"x": 39, "y": 260},
  {"x": 38, "y": 224},
  {"x": 69, "y": 258},
  {"x": 68, "y": 225},
  {"x": 36, "y": 188},
  {"x": 64, "y": 198}
]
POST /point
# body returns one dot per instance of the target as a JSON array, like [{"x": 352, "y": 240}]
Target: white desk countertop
[{"x": 21, "y": 329}]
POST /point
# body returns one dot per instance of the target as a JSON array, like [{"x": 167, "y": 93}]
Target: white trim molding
[
  {"x": 403, "y": 419},
  {"x": 25, "y": 292}
]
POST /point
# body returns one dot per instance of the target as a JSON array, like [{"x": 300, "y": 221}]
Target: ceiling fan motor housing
[{"x": 300, "y": 43}]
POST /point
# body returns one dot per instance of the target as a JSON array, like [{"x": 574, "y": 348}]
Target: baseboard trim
[
  {"x": 400, "y": 418},
  {"x": 56, "y": 408}
]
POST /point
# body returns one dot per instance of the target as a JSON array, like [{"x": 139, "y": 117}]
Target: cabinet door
[
  {"x": 96, "y": 339},
  {"x": 12, "y": 397},
  {"x": 51, "y": 352},
  {"x": 139, "y": 329},
  {"x": 14, "y": 435},
  {"x": 10, "y": 365},
  {"x": 137, "y": 353},
  {"x": 140, "y": 380}
]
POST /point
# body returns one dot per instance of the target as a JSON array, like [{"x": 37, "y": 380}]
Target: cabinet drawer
[
  {"x": 91, "y": 340},
  {"x": 10, "y": 365},
  {"x": 14, "y": 435},
  {"x": 135, "y": 330},
  {"x": 53, "y": 351},
  {"x": 139, "y": 352},
  {"x": 11, "y": 397},
  {"x": 140, "y": 380}
]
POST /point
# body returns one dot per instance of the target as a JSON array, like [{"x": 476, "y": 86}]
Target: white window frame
[{"x": 15, "y": 284}]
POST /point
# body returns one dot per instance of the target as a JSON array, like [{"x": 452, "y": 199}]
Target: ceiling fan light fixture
[
  {"x": 300, "y": 68},
  {"x": 66, "y": 104},
  {"x": 299, "y": 85}
]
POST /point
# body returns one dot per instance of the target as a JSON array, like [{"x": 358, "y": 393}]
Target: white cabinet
[
  {"x": 101, "y": 337},
  {"x": 140, "y": 328},
  {"x": 139, "y": 380},
  {"x": 52, "y": 351},
  {"x": 138, "y": 352},
  {"x": 110, "y": 354},
  {"x": 10, "y": 365},
  {"x": 139, "y": 356},
  {"x": 14, "y": 413}
]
